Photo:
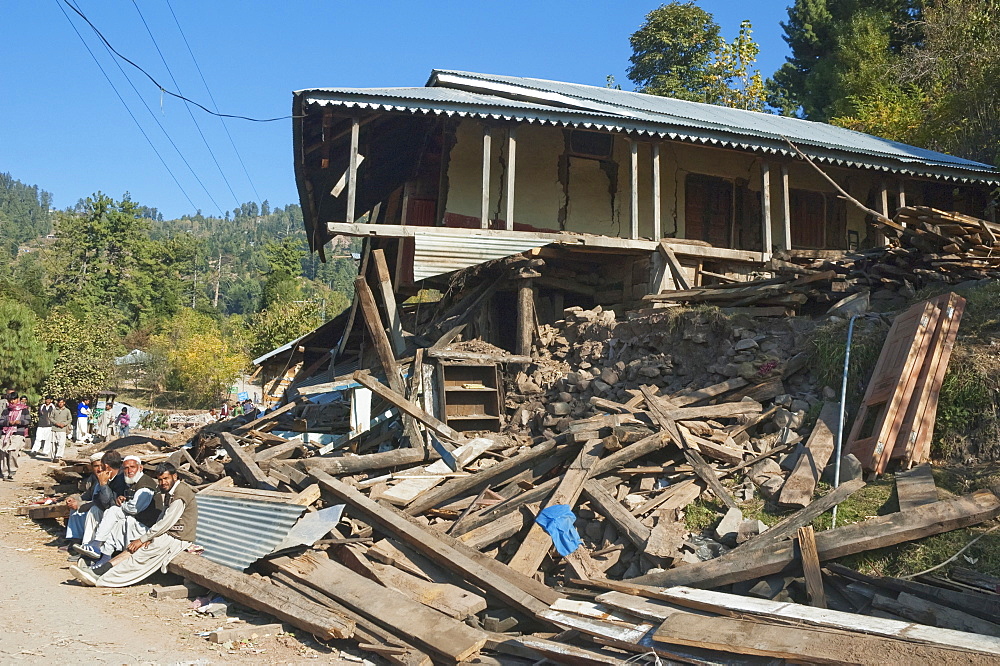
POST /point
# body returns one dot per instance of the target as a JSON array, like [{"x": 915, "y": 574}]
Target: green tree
[
  {"x": 24, "y": 360},
  {"x": 279, "y": 324},
  {"x": 200, "y": 362},
  {"x": 284, "y": 265},
  {"x": 85, "y": 348},
  {"x": 679, "y": 52}
]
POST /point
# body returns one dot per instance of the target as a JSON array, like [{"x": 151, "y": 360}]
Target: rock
[
  {"x": 799, "y": 406},
  {"x": 599, "y": 387},
  {"x": 746, "y": 344},
  {"x": 797, "y": 420},
  {"x": 609, "y": 376},
  {"x": 649, "y": 371},
  {"x": 565, "y": 397},
  {"x": 731, "y": 370},
  {"x": 528, "y": 387},
  {"x": 772, "y": 486},
  {"x": 559, "y": 408},
  {"x": 829, "y": 393},
  {"x": 850, "y": 469},
  {"x": 572, "y": 377},
  {"x": 783, "y": 400},
  {"x": 783, "y": 418},
  {"x": 765, "y": 467},
  {"x": 729, "y": 525},
  {"x": 748, "y": 529}
]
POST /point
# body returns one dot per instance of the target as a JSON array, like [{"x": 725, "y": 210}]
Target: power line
[
  {"x": 127, "y": 109},
  {"x": 186, "y": 105},
  {"x": 214, "y": 103},
  {"x": 164, "y": 130},
  {"x": 157, "y": 83}
]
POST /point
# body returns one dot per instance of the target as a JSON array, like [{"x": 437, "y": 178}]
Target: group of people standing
[{"x": 54, "y": 425}]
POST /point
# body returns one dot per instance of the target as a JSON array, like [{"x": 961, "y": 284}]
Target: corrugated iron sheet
[
  {"x": 236, "y": 532},
  {"x": 436, "y": 254},
  {"x": 519, "y": 99}
]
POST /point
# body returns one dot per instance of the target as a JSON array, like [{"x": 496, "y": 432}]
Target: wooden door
[
  {"x": 708, "y": 209},
  {"x": 887, "y": 398}
]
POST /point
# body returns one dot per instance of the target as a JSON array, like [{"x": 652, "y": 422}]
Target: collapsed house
[{"x": 516, "y": 418}]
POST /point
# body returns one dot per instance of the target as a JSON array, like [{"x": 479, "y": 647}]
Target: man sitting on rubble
[
  {"x": 80, "y": 503},
  {"x": 110, "y": 486},
  {"x": 173, "y": 532},
  {"x": 131, "y": 515}
]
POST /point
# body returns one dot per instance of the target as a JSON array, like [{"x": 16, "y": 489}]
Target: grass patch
[
  {"x": 829, "y": 346},
  {"x": 702, "y": 514},
  {"x": 917, "y": 556}
]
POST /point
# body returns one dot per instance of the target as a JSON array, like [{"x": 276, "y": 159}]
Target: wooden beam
[
  {"x": 801, "y": 483},
  {"x": 536, "y": 544},
  {"x": 245, "y": 465},
  {"x": 902, "y": 197},
  {"x": 492, "y": 576},
  {"x": 511, "y": 168},
  {"x": 614, "y": 511},
  {"x": 484, "y": 210},
  {"x": 373, "y": 322},
  {"x": 765, "y": 175},
  {"x": 674, "y": 266},
  {"x": 369, "y": 462},
  {"x": 389, "y": 301},
  {"x": 657, "y": 216},
  {"x": 786, "y": 209},
  {"x": 352, "y": 172},
  {"x": 270, "y": 416},
  {"x": 262, "y": 595},
  {"x": 442, "y": 636},
  {"x": 633, "y": 208},
  {"x": 461, "y": 355},
  {"x": 525, "y": 317},
  {"x": 397, "y": 399},
  {"x": 810, "y": 567},
  {"x": 871, "y": 534}
]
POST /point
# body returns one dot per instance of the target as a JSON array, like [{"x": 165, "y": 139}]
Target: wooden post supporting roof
[
  {"x": 786, "y": 209},
  {"x": 389, "y": 301},
  {"x": 657, "y": 225},
  {"x": 352, "y": 171},
  {"x": 484, "y": 219},
  {"x": 511, "y": 164},
  {"x": 634, "y": 189},
  {"x": 902, "y": 198},
  {"x": 765, "y": 175}
]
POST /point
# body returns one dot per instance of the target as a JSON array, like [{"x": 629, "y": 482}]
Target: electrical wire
[
  {"x": 215, "y": 105},
  {"x": 187, "y": 105},
  {"x": 157, "y": 83},
  {"x": 164, "y": 130},
  {"x": 127, "y": 109}
]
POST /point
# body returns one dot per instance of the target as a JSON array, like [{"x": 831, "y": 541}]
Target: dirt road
[{"x": 46, "y": 617}]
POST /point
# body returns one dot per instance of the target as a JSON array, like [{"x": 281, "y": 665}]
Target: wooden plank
[
  {"x": 765, "y": 177},
  {"x": 709, "y": 392},
  {"x": 795, "y": 644},
  {"x": 245, "y": 464},
  {"x": 368, "y": 462},
  {"x": 270, "y": 416},
  {"x": 456, "y": 487},
  {"x": 525, "y": 317},
  {"x": 674, "y": 266},
  {"x": 492, "y": 576},
  {"x": 915, "y": 487},
  {"x": 397, "y": 399},
  {"x": 49, "y": 511},
  {"x": 462, "y": 355},
  {"x": 389, "y": 301},
  {"x": 352, "y": 171},
  {"x": 285, "y": 450},
  {"x": 262, "y": 595},
  {"x": 633, "y": 181},
  {"x": 536, "y": 544},
  {"x": 787, "y": 527},
  {"x": 801, "y": 482},
  {"x": 440, "y": 635},
  {"x": 786, "y": 210},
  {"x": 871, "y": 534},
  {"x": 917, "y": 429},
  {"x": 484, "y": 206},
  {"x": 976, "y": 579},
  {"x": 369, "y": 313},
  {"x": 657, "y": 213},
  {"x": 248, "y": 632},
  {"x": 539, "y": 649},
  {"x": 503, "y": 527},
  {"x": 445, "y": 598},
  {"x": 912, "y": 607},
  {"x": 888, "y": 394},
  {"x": 511, "y": 170},
  {"x": 613, "y": 510},
  {"x": 810, "y": 567},
  {"x": 716, "y": 602}
]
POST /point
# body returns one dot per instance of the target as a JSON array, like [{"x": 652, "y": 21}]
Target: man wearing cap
[
  {"x": 173, "y": 532},
  {"x": 62, "y": 420},
  {"x": 81, "y": 503},
  {"x": 129, "y": 518},
  {"x": 43, "y": 429}
]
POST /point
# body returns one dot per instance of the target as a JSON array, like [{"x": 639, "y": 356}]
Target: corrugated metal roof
[
  {"x": 574, "y": 105},
  {"x": 236, "y": 532},
  {"x": 436, "y": 254}
]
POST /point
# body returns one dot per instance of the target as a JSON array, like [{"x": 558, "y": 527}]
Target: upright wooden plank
[
  {"x": 445, "y": 637},
  {"x": 260, "y": 594},
  {"x": 801, "y": 483},
  {"x": 657, "y": 213},
  {"x": 674, "y": 266},
  {"x": 369, "y": 312},
  {"x": 765, "y": 175},
  {"x": 881, "y": 413},
  {"x": 633, "y": 208},
  {"x": 245, "y": 465},
  {"x": 871, "y": 534},
  {"x": 493, "y": 576},
  {"x": 511, "y": 168},
  {"x": 786, "y": 210},
  {"x": 389, "y": 301},
  {"x": 915, "y": 487},
  {"x": 525, "y": 317},
  {"x": 537, "y": 542},
  {"x": 484, "y": 214},
  {"x": 810, "y": 567},
  {"x": 917, "y": 429},
  {"x": 352, "y": 171},
  {"x": 397, "y": 399}
]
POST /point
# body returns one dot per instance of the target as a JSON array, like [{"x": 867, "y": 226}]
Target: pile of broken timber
[
  {"x": 896, "y": 418},
  {"x": 776, "y": 296},
  {"x": 940, "y": 232}
]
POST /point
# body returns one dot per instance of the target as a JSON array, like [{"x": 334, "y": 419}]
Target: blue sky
[{"x": 64, "y": 128}]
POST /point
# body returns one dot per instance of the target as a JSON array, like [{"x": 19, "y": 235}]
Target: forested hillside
[{"x": 202, "y": 294}]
